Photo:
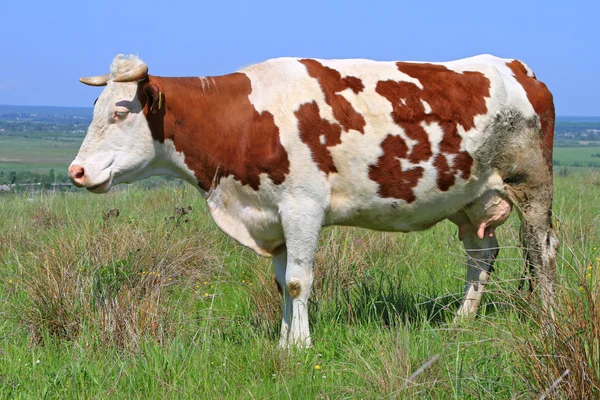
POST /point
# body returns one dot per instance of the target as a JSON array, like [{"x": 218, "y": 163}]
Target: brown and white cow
[{"x": 283, "y": 148}]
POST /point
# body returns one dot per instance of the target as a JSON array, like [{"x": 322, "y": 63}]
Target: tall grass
[
  {"x": 137, "y": 294},
  {"x": 561, "y": 355}
]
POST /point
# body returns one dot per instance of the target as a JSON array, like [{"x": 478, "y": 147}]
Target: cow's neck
[
  {"x": 212, "y": 122},
  {"x": 201, "y": 117}
]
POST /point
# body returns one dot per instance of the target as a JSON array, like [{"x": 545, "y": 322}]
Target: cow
[{"x": 283, "y": 148}]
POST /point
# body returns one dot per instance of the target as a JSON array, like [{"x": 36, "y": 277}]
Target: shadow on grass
[{"x": 386, "y": 302}]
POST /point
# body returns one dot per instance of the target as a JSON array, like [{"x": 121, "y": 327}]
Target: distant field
[
  {"x": 49, "y": 110},
  {"x": 571, "y": 155},
  {"x": 35, "y": 155}
]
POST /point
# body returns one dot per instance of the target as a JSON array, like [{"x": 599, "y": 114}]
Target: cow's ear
[{"x": 154, "y": 97}]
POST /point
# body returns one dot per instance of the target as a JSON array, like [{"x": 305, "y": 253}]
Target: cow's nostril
[{"x": 76, "y": 172}]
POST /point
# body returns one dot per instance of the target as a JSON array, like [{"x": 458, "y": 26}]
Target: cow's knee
[
  {"x": 295, "y": 288},
  {"x": 299, "y": 286}
]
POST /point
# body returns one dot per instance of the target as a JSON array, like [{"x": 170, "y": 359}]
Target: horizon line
[{"x": 91, "y": 108}]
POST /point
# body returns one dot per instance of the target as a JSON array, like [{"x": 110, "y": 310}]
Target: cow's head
[{"x": 118, "y": 147}]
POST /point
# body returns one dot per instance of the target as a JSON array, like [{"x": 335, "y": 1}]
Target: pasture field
[
  {"x": 152, "y": 301},
  {"x": 571, "y": 155},
  {"x": 36, "y": 155}
]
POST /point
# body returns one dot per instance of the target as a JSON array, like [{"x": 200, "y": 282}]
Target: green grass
[{"x": 146, "y": 305}]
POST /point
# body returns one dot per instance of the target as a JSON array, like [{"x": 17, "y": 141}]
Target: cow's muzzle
[{"x": 78, "y": 176}]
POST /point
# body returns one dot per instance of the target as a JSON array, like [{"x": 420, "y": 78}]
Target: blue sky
[{"x": 45, "y": 46}]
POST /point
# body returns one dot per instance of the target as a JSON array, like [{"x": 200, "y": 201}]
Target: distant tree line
[
  {"x": 20, "y": 177},
  {"x": 561, "y": 142},
  {"x": 52, "y": 177},
  {"x": 583, "y": 164}
]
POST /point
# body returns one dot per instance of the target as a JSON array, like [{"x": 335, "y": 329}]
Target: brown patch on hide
[
  {"x": 543, "y": 104},
  {"x": 318, "y": 134},
  {"x": 445, "y": 178},
  {"x": 216, "y": 127},
  {"x": 332, "y": 83},
  {"x": 393, "y": 181},
  {"x": 453, "y": 98},
  {"x": 446, "y": 174},
  {"x": 463, "y": 163}
]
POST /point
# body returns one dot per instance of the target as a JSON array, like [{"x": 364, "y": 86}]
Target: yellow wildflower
[{"x": 317, "y": 367}]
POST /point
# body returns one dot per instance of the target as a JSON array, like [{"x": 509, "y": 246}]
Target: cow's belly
[
  {"x": 253, "y": 218},
  {"x": 389, "y": 215},
  {"x": 395, "y": 220},
  {"x": 429, "y": 208}
]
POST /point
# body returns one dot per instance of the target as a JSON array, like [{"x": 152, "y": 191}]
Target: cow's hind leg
[
  {"x": 294, "y": 271},
  {"x": 481, "y": 254},
  {"x": 524, "y": 163},
  {"x": 279, "y": 267},
  {"x": 534, "y": 203},
  {"x": 476, "y": 224}
]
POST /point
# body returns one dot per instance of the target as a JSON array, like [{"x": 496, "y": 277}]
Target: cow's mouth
[{"x": 102, "y": 187}]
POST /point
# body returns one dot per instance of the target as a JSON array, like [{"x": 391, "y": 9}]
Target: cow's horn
[
  {"x": 95, "y": 80},
  {"x": 135, "y": 74}
]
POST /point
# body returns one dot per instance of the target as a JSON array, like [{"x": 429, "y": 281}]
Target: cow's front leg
[{"x": 294, "y": 273}]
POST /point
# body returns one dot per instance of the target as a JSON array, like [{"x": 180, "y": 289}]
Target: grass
[{"x": 101, "y": 298}]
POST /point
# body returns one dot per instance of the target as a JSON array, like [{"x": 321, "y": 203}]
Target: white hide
[{"x": 118, "y": 146}]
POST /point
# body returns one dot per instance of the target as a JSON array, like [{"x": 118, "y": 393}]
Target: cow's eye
[{"x": 120, "y": 114}]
